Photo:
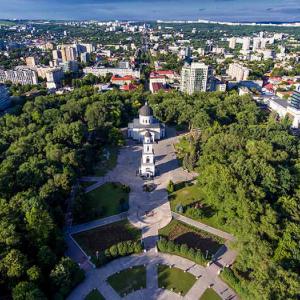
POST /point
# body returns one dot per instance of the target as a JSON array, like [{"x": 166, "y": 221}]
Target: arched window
[{"x": 147, "y": 160}]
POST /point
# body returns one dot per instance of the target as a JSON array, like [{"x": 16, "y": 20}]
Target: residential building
[
  {"x": 101, "y": 71},
  {"x": 246, "y": 43},
  {"x": 119, "y": 80},
  {"x": 30, "y": 61},
  {"x": 194, "y": 78},
  {"x": 232, "y": 43},
  {"x": 20, "y": 74},
  {"x": 238, "y": 72},
  {"x": 54, "y": 77}
]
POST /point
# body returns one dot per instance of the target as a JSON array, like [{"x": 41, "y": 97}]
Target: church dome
[{"x": 146, "y": 111}]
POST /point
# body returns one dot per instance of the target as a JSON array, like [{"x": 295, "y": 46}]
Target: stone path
[{"x": 149, "y": 212}]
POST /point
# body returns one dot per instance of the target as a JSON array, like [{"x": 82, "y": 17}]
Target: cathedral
[{"x": 146, "y": 123}]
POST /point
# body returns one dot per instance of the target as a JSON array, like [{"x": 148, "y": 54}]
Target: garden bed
[
  {"x": 181, "y": 233},
  {"x": 103, "y": 237},
  {"x": 210, "y": 294},
  {"x": 94, "y": 295}
]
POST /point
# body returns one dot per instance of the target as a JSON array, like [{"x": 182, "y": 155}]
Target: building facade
[
  {"x": 194, "y": 78},
  {"x": 20, "y": 75},
  {"x": 147, "y": 167},
  {"x": 238, "y": 72},
  {"x": 146, "y": 123}
]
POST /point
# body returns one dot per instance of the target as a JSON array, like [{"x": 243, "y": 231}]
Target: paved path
[
  {"x": 96, "y": 223},
  {"x": 149, "y": 212},
  {"x": 96, "y": 278}
]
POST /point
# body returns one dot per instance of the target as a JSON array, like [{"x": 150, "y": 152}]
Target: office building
[
  {"x": 194, "y": 78},
  {"x": 238, "y": 72}
]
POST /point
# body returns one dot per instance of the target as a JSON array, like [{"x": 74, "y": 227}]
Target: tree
[{"x": 27, "y": 291}]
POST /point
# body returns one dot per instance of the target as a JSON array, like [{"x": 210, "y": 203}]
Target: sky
[{"x": 218, "y": 10}]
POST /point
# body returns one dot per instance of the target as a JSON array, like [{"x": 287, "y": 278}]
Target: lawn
[
  {"x": 108, "y": 160},
  {"x": 210, "y": 294},
  {"x": 101, "y": 238},
  {"x": 107, "y": 200},
  {"x": 86, "y": 184},
  {"x": 175, "y": 279},
  {"x": 129, "y": 280},
  {"x": 195, "y": 238},
  {"x": 94, "y": 295},
  {"x": 190, "y": 196}
]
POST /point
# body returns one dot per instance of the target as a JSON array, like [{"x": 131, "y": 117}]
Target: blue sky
[{"x": 228, "y": 10}]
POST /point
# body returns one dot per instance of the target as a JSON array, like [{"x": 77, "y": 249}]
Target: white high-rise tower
[{"x": 148, "y": 160}]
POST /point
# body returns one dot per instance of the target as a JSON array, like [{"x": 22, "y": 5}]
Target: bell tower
[{"x": 148, "y": 160}]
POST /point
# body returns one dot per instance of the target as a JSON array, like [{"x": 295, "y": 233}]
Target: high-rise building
[
  {"x": 194, "y": 78},
  {"x": 295, "y": 100},
  {"x": 68, "y": 53},
  {"x": 238, "y": 72},
  {"x": 246, "y": 43},
  {"x": 232, "y": 43},
  {"x": 256, "y": 43}
]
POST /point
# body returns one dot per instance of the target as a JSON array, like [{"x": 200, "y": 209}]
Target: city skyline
[{"x": 217, "y": 10}]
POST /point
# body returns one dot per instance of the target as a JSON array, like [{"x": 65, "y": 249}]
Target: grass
[
  {"x": 86, "y": 184},
  {"x": 191, "y": 196},
  {"x": 101, "y": 238},
  {"x": 107, "y": 200},
  {"x": 6, "y": 23},
  {"x": 129, "y": 280},
  {"x": 195, "y": 238},
  {"x": 175, "y": 279},
  {"x": 108, "y": 160},
  {"x": 210, "y": 294},
  {"x": 94, "y": 295}
]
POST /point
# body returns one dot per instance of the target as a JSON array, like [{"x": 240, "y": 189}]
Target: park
[{"x": 134, "y": 242}]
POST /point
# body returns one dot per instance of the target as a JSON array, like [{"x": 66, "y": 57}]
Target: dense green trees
[
  {"x": 248, "y": 166},
  {"x": 43, "y": 150}
]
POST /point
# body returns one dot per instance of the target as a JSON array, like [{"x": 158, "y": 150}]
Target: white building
[
  {"x": 98, "y": 71},
  {"x": 146, "y": 123},
  {"x": 147, "y": 167},
  {"x": 194, "y": 78},
  {"x": 20, "y": 75},
  {"x": 246, "y": 43},
  {"x": 285, "y": 108},
  {"x": 232, "y": 43},
  {"x": 238, "y": 72}
]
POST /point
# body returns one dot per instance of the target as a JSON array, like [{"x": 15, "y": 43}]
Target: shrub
[
  {"x": 183, "y": 250},
  {"x": 114, "y": 250},
  {"x": 170, "y": 187}
]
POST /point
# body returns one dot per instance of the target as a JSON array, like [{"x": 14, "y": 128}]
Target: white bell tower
[{"x": 148, "y": 160}]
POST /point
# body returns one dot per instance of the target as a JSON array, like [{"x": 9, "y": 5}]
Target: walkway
[
  {"x": 149, "y": 212},
  {"x": 97, "y": 278}
]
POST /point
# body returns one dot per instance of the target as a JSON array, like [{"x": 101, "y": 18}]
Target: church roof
[
  {"x": 148, "y": 134},
  {"x": 146, "y": 110}
]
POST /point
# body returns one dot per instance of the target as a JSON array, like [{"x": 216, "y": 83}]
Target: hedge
[
  {"x": 116, "y": 251},
  {"x": 183, "y": 250},
  {"x": 228, "y": 276}
]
